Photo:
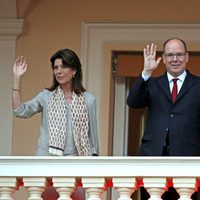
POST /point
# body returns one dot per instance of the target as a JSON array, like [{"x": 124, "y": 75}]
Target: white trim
[
  {"x": 9, "y": 30},
  {"x": 120, "y": 107}
]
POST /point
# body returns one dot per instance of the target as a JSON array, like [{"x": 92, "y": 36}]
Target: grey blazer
[{"x": 39, "y": 104}]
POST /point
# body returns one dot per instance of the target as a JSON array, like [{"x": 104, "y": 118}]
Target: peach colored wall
[{"x": 54, "y": 24}]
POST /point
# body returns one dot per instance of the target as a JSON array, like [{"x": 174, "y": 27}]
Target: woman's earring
[{"x": 73, "y": 75}]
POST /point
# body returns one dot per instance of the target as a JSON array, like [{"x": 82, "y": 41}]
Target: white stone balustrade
[
  {"x": 64, "y": 186},
  {"x": 7, "y": 187},
  {"x": 94, "y": 187},
  {"x": 155, "y": 186},
  {"x": 95, "y": 174},
  {"x": 35, "y": 186},
  {"x": 185, "y": 186},
  {"x": 125, "y": 187}
]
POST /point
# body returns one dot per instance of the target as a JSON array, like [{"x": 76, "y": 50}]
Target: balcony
[{"x": 96, "y": 174}]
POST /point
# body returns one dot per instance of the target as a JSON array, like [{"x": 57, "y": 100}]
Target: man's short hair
[{"x": 184, "y": 44}]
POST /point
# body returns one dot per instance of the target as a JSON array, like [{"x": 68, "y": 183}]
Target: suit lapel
[
  {"x": 163, "y": 83},
  {"x": 187, "y": 84}
]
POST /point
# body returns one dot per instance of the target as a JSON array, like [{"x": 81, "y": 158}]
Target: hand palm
[
  {"x": 20, "y": 67},
  {"x": 150, "y": 63}
]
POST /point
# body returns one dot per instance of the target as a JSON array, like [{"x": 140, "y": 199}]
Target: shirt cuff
[{"x": 145, "y": 77}]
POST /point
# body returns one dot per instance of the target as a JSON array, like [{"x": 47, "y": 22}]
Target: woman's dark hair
[{"x": 69, "y": 59}]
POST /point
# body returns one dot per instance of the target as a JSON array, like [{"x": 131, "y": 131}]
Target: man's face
[{"x": 175, "y": 57}]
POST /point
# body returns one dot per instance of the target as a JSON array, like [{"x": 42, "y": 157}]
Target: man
[{"x": 173, "y": 122}]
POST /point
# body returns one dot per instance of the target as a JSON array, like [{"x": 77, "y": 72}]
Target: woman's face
[{"x": 63, "y": 74}]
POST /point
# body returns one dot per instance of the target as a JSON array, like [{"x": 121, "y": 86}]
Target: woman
[{"x": 68, "y": 112}]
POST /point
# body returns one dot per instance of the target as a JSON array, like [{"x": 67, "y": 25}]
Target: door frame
[{"x": 95, "y": 39}]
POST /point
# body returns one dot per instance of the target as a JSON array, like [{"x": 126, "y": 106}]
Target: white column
[
  {"x": 185, "y": 187},
  {"x": 94, "y": 187},
  {"x": 7, "y": 188},
  {"x": 64, "y": 186},
  {"x": 9, "y": 31},
  {"x": 35, "y": 187},
  {"x": 125, "y": 187},
  {"x": 155, "y": 187}
]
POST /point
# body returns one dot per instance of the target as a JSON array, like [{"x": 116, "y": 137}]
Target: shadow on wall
[{"x": 24, "y": 7}]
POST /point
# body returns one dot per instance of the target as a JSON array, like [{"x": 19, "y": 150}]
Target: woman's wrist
[{"x": 16, "y": 84}]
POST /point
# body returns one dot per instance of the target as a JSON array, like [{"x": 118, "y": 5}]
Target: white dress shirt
[{"x": 180, "y": 80}]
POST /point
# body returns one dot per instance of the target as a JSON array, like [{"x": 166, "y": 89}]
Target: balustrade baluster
[
  {"x": 155, "y": 187},
  {"x": 185, "y": 187},
  {"x": 6, "y": 193},
  {"x": 64, "y": 186},
  {"x": 7, "y": 188},
  {"x": 35, "y": 187},
  {"x": 94, "y": 187},
  {"x": 125, "y": 187}
]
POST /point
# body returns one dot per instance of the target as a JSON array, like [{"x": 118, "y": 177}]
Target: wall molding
[
  {"x": 10, "y": 28},
  {"x": 9, "y": 31}
]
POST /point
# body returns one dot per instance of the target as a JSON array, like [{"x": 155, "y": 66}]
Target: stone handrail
[{"x": 96, "y": 174}]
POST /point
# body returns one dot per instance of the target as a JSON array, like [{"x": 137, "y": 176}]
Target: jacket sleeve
[
  {"x": 29, "y": 108},
  {"x": 93, "y": 133},
  {"x": 138, "y": 96}
]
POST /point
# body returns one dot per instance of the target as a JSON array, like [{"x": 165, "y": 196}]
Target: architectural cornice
[{"x": 10, "y": 28}]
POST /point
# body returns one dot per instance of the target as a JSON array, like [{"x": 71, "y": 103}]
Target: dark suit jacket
[{"x": 179, "y": 120}]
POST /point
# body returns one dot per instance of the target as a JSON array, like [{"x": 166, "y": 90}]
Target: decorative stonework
[
  {"x": 10, "y": 28},
  {"x": 9, "y": 31}
]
